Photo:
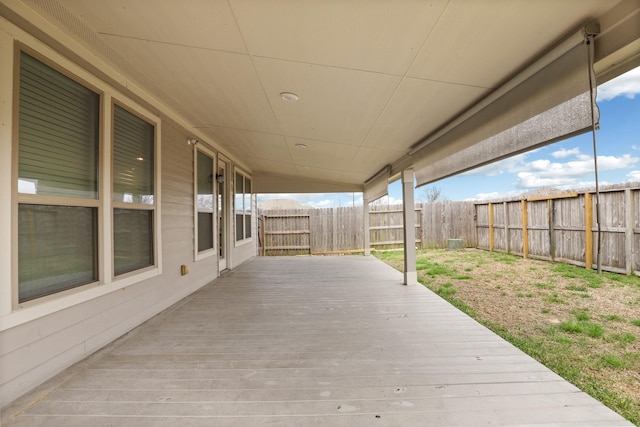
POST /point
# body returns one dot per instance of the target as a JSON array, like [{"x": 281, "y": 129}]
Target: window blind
[
  {"x": 205, "y": 201},
  {"x": 132, "y": 240},
  {"x": 377, "y": 186},
  {"x": 58, "y": 133},
  {"x": 57, "y": 249},
  {"x": 132, "y": 158}
]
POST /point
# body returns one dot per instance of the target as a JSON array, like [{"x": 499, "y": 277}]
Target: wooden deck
[{"x": 310, "y": 341}]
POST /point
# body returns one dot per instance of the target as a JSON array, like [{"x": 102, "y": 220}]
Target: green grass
[
  {"x": 554, "y": 299},
  {"x": 613, "y": 318},
  {"x": 635, "y": 322},
  {"x": 594, "y": 330},
  {"x": 576, "y": 288},
  {"x": 446, "y": 292},
  {"x": 589, "y": 278},
  {"x": 581, "y": 315},
  {"x": 624, "y": 339},
  {"x": 630, "y": 280},
  {"x": 571, "y": 326},
  {"x": 612, "y": 361},
  {"x": 389, "y": 255},
  {"x": 543, "y": 286},
  {"x": 505, "y": 258}
]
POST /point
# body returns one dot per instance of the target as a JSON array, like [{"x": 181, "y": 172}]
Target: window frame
[
  {"x": 106, "y": 280},
  {"x": 245, "y": 238},
  {"x": 213, "y": 251},
  {"x": 153, "y": 207}
]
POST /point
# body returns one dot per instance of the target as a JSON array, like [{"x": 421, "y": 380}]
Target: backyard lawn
[{"x": 584, "y": 326}]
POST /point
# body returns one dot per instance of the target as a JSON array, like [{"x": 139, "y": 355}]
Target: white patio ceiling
[{"x": 373, "y": 77}]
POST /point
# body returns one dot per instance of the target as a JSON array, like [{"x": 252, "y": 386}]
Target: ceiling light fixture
[
  {"x": 289, "y": 96},
  {"x": 301, "y": 146}
]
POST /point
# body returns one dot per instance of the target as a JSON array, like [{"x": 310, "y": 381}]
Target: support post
[
  {"x": 409, "y": 217},
  {"x": 366, "y": 233}
]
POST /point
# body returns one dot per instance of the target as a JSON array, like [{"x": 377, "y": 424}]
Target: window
[
  {"x": 242, "y": 206},
  {"x": 58, "y": 146},
  {"x": 60, "y": 220},
  {"x": 204, "y": 201},
  {"x": 133, "y": 192}
]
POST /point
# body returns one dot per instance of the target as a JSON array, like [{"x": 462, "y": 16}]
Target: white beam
[
  {"x": 409, "y": 216},
  {"x": 365, "y": 227}
]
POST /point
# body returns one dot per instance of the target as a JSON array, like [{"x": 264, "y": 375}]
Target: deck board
[{"x": 317, "y": 341}]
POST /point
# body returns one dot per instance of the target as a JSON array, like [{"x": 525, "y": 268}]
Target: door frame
[{"x": 222, "y": 214}]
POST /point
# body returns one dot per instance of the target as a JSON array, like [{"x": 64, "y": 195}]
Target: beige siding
[{"x": 34, "y": 351}]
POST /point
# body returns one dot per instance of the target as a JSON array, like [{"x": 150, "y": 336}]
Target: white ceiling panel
[
  {"x": 321, "y": 154},
  {"x": 325, "y": 174},
  {"x": 481, "y": 43},
  {"x": 416, "y": 110},
  {"x": 211, "y": 87},
  {"x": 373, "y": 159},
  {"x": 198, "y": 23},
  {"x": 253, "y": 145},
  {"x": 335, "y": 104},
  {"x": 382, "y": 36},
  {"x": 274, "y": 167}
]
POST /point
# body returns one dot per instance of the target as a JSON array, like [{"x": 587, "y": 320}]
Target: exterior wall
[{"x": 43, "y": 338}]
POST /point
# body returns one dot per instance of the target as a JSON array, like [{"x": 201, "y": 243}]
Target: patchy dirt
[{"x": 595, "y": 319}]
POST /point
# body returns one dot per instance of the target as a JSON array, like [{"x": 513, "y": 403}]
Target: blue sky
[{"x": 563, "y": 165}]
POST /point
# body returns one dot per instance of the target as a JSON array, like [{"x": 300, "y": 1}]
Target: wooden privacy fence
[
  {"x": 310, "y": 231},
  {"x": 340, "y": 230},
  {"x": 563, "y": 227}
]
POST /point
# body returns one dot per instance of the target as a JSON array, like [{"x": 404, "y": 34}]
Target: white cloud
[
  {"x": 326, "y": 203},
  {"x": 562, "y": 153},
  {"x": 633, "y": 176},
  {"x": 532, "y": 180},
  {"x": 545, "y": 173},
  {"x": 627, "y": 85},
  {"x": 494, "y": 195},
  {"x": 388, "y": 200}
]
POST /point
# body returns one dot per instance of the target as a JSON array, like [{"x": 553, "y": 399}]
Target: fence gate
[{"x": 285, "y": 232}]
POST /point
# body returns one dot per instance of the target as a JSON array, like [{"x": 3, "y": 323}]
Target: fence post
[
  {"x": 491, "y": 243},
  {"x": 588, "y": 237},
  {"x": 507, "y": 243},
  {"x": 525, "y": 230},
  {"x": 261, "y": 235},
  {"x": 628, "y": 200},
  {"x": 552, "y": 231}
]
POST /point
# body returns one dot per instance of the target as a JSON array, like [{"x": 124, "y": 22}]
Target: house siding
[{"x": 37, "y": 343}]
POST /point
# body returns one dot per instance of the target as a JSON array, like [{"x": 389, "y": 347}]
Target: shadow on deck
[{"x": 310, "y": 341}]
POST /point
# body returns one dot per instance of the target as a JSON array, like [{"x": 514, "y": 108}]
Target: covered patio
[{"x": 309, "y": 341}]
